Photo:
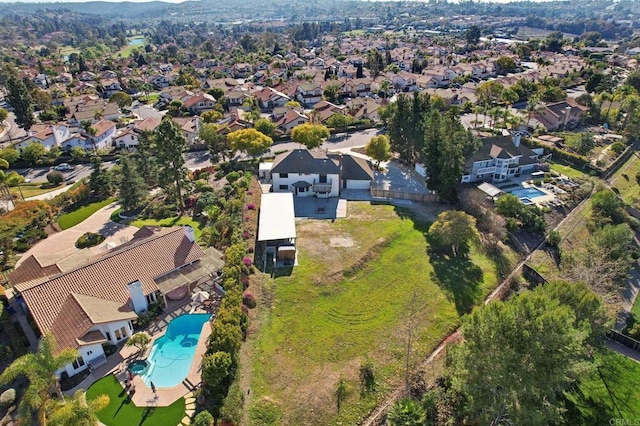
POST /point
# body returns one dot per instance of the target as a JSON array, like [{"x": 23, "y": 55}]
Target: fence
[
  {"x": 413, "y": 196},
  {"x": 624, "y": 340}
]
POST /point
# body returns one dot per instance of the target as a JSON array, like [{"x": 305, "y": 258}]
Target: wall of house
[
  {"x": 104, "y": 140},
  {"x": 88, "y": 353},
  {"x": 358, "y": 184},
  {"x": 129, "y": 141},
  {"x": 311, "y": 178},
  {"x": 112, "y": 330}
]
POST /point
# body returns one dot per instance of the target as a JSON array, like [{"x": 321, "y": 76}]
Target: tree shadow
[{"x": 459, "y": 278}]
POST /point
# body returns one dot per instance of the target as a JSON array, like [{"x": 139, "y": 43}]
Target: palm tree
[
  {"x": 77, "y": 411},
  {"x": 40, "y": 369},
  {"x": 406, "y": 412},
  {"x": 385, "y": 88},
  {"x": 532, "y": 107},
  {"x": 14, "y": 179},
  {"x": 4, "y": 191},
  {"x": 477, "y": 109}
]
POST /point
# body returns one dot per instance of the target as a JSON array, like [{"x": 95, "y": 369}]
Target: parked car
[{"x": 63, "y": 167}]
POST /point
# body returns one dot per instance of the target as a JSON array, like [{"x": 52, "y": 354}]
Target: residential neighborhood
[{"x": 338, "y": 213}]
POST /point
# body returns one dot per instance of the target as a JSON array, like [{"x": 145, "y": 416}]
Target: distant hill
[{"x": 110, "y": 9}]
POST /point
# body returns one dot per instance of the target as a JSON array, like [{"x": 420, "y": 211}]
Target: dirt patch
[{"x": 342, "y": 241}]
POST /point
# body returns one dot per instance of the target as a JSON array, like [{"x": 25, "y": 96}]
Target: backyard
[
  {"x": 122, "y": 412},
  {"x": 170, "y": 221},
  {"x": 361, "y": 284},
  {"x": 608, "y": 393}
]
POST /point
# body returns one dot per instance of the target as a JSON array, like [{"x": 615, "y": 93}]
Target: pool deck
[{"x": 143, "y": 396}]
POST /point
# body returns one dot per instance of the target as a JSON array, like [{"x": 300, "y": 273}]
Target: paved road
[
  {"x": 39, "y": 174},
  {"x": 11, "y": 131},
  {"x": 144, "y": 111},
  {"x": 197, "y": 160}
]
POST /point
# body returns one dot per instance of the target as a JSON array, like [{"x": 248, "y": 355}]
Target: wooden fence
[{"x": 399, "y": 195}]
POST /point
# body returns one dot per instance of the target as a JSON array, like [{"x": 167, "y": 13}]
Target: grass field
[
  {"x": 32, "y": 189},
  {"x": 568, "y": 171},
  {"x": 122, "y": 412},
  {"x": 611, "y": 392},
  {"x": 172, "y": 221},
  {"x": 73, "y": 218},
  {"x": 126, "y": 51},
  {"x": 625, "y": 183},
  {"x": 351, "y": 298}
]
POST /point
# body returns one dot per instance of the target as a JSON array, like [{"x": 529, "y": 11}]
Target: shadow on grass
[
  {"x": 124, "y": 402},
  {"x": 459, "y": 278}
]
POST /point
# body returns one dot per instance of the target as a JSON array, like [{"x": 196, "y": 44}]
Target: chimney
[
  {"x": 190, "y": 234},
  {"x": 516, "y": 138},
  {"x": 138, "y": 300}
]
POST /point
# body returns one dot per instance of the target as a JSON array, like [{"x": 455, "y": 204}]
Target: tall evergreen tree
[
  {"x": 100, "y": 180},
  {"x": 146, "y": 162},
  {"x": 20, "y": 99},
  {"x": 170, "y": 144},
  {"x": 132, "y": 186}
]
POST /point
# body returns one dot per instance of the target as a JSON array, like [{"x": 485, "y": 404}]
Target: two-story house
[
  {"x": 561, "y": 115},
  {"x": 308, "y": 93},
  {"x": 499, "y": 159}
]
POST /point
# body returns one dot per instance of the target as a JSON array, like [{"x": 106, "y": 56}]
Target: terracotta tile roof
[
  {"x": 69, "y": 327},
  {"x": 107, "y": 276},
  {"x": 30, "y": 269},
  {"x": 91, "y": 338},
  {"x": 149, "y": 124},
  {"x": 100, "y": 310},
  {"x": 102, "y": 126}
]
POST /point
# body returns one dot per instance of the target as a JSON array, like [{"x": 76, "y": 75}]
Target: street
[
  {"x": 200, "y": 159},
  {"x": 39, "y": 174}
]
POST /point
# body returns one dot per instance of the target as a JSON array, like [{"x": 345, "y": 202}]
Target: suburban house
[
  {"x": 309, "y": 93},
  {"x": 200, "y": 103},
  {"x": 47, "y": 135},
  {"x": 86, "y": 300},
  {"x": 110, "y": 86},
  {"x": 314, "y": 173},
  {"x": 499, "y": 159},
  {"x": 561, "y": 115},
  {"x": 105, "y": 131},
  {"x": 291, "y": 119},
  {"x": 270, "y": 98},
  {"x": 190, "y": 127}
]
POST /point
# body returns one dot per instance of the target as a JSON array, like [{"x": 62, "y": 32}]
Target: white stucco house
[
  {"x": 86, "y": 300},
  {"x": 308, "y": 173},
  {"x": 499, "y": 159}
]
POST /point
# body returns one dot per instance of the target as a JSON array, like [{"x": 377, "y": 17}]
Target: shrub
[
  {"x": 554, "y": 239},
  {"x": 203, "y": 418},
  {"x": 367, "y": 378},
  {"x": 251, "y": 206},
  {"x": 55, "y": 177},
  {"x": 512, "y": 224},
  {"x": 245, "y": 281},
  {"x": 248, "y": 300},
  {"x": 89, "y": 239},
  {"x": 247, "y": 261},
  {"x": 8, "y": 397},
  {"x": 232, "y": 177},
  {"x": 537, "y": 182},
  {"x": 618, "y": 147}
]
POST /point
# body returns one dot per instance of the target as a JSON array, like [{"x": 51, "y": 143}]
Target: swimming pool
[
  {"x": 529, "y": 193},
  {"x": 171, "y": 355}
]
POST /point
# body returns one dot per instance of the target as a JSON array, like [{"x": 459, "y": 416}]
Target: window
[
  {"x": 284, "y": 175},
  {"x": 118, "y": 335},
  {"x": 151, "y": 297},
  {"x": 108, "y": 336},
  {"x": 284, "y": 187},
  {"x": 77, "y": 363},
  {"x": 323, "y": 178},
  {"x": 89, "y": 353}
]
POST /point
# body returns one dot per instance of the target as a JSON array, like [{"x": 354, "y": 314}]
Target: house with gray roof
[
  {"x": 315, "y": 173},
  {"x": 499, "y": 159}
]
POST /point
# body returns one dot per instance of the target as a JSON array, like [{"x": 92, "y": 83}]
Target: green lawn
[
  {"x": 350, "y": 297},
  {"x": 625, "y": 184},
  {"x": 33, "y": 189},
  {"x": 126, "y": 51},
  {"x": 122, "y": 412},
  {"x": 566, "y": 170},
  {"x": 610, "y": 392},
  {"x": 73, "y": 218},
  {"x": 171, "y": 221}
]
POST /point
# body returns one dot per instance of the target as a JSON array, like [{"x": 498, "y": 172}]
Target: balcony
[{"x": 322, "y": 187}]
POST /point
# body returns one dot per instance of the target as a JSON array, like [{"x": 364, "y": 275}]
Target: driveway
[
  {"x": 398, "y": 177},
  {"x": 62, "y": 244}
]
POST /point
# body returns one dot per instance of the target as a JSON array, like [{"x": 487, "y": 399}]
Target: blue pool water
[
  {"x": 171, "y": 355},
  {"x": 528, "y": 193}
]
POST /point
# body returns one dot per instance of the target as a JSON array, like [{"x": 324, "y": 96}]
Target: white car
[{"x": 63, "y": 167}]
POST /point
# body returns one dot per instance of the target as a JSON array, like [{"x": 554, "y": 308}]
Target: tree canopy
[
  {"x": 453, "y": 232},
  {"x": 379, "y": 148},
  {"x": 310, "y": 135},
  {"x": 250, "y": 141},
  {"x": 170, "y": 144}
]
